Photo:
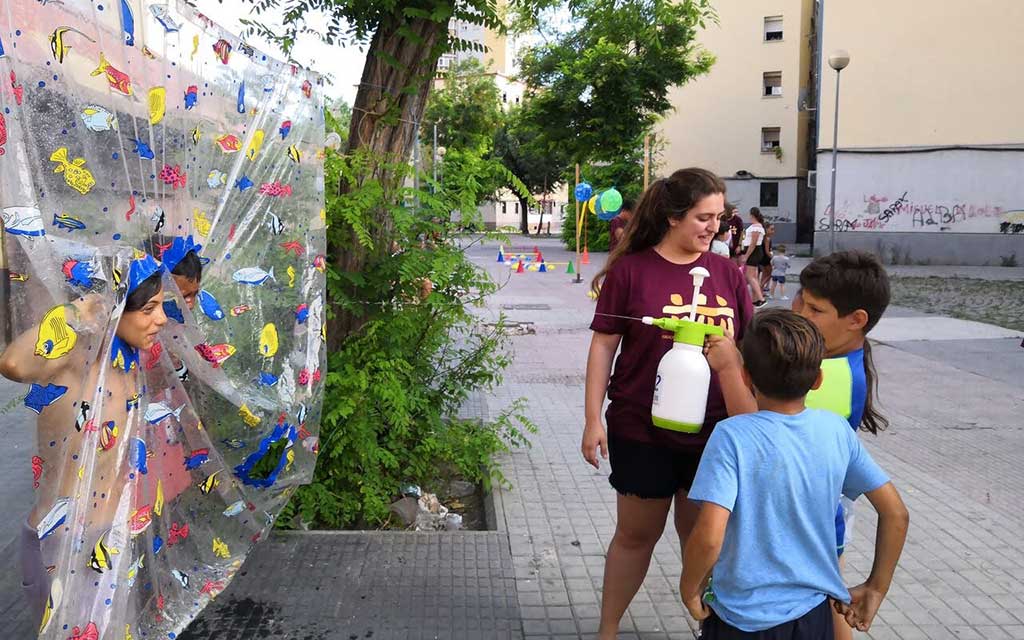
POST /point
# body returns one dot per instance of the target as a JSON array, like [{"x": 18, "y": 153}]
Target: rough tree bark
[
  {"x": 524, "y": 213},
  {"x": 398, "y": 74}
]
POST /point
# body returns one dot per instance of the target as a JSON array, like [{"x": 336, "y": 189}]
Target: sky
[{"x": 342, "y": 65}]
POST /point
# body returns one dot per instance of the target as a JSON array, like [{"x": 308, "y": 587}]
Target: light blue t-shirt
[{"x": 781, "y": 477}]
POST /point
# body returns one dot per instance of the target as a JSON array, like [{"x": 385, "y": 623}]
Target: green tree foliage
[
  {"x": 599, "y": 88},
  {"x": 518, "y": 144},
  {"x": 466, "y": 108},
  {"x": 394, "y": 388}
]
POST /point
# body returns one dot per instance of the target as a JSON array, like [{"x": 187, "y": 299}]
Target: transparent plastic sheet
[{"x": 123, "y": 125}]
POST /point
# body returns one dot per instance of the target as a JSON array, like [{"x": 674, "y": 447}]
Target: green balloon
[{"x": 611, "y": 200}]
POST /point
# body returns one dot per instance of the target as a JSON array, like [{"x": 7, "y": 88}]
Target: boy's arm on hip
[
  {"x": 703, "y": 548},
  {"x": 890, "y": 535}
]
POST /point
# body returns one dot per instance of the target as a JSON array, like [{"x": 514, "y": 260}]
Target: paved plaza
[{"x": 951, "y": 388}]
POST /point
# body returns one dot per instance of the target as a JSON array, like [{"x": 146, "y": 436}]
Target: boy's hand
[
  {"x": 722, "y": 353},
  {"x": 697, "y": 608},
  {"x": 594, "y": 437},
  {"x": 864, "y": 604}
]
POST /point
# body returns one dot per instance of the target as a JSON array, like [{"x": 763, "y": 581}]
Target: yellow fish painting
[
  {"x": 220, "y": 549},
  {"x": 51, "y": 604},
  {"x": 128, "y": 632},
  {"x": 158, "y": 502},
  {"x": 75, "y": 174},
  {"x": 100, "y": 560},
  {"x": 201, "y": 222},
  {"x": 195, "y": 46},
  {"x": 157, "y": 104},
  {"x": 56, "y": 338},
  {"x": 268, "y": 340},
  {"x": 294, "y": 154},
  {"x": 291, "y": 277},
  {"x": 57, "y": 46},
  {"x": 248, "y": 416},
  {"x": 208, "y": 485},
  {"x": 196, "y": 135},
  {"x": 255, "y": 145}
]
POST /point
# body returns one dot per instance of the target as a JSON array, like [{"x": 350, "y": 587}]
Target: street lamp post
[{"x": 838, "y": 60}]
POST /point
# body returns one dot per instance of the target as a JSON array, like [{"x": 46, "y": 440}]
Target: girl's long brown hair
[{"x": 665, "y": 199}]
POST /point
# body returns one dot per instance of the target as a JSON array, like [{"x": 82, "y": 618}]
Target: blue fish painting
[
  {"x": 40, "y": 397},
  {"x": 68, "y": 222},
  {"x": 241, "y": 98},
  {"x": 210, "y": 306},
  {"x": 1, "y": 47},
  {"x": 139, "y": 456},
  {"x": 172, "y": 311},
  {"x": 24, "y": 221},
  {"x": 198, "y": 458},
  {"x": 267, "y": 379},
  {"x": 243, "y": 183},
  {"x": 143, "y": 150},
  {"x": 191, "y": 97},
  {"x": 78, "y": 273},
  {"x": 127, "y": 23},
  {"x": 253, "y": 276},
  {"x": 285, "y": 129},
  {"x": 158, "y": 544},
  {"x": 301, "y": 313},
  {"x": 164, "y": 18},
  {"x": 233, "y": 443}
]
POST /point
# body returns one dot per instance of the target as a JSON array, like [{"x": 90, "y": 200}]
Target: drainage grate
[{"x": 526, "y": 307}]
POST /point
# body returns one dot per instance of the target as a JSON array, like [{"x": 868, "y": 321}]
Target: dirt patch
[{"x": 995, "y": 302}]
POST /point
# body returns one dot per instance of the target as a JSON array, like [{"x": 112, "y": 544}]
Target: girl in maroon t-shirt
[{"x": 648, "y": 275}]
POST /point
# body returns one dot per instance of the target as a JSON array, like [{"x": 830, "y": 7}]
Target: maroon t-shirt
[
  {"x": 646, "y": 284},
  {"x": 736, "y": 223},
  {"x": 616, "y": 223}
]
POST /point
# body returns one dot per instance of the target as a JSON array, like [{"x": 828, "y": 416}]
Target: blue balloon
[
  {"x": 599, "y": 209},
  {"x": 583, "y": 192}
]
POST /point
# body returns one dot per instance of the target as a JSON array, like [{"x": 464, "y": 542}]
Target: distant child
[
  {"x": 767, "y": 485},
  {"x": 720, "y": 245},
  {"x": 845, "y": 294},
  {"x": 780, "y": 265}
]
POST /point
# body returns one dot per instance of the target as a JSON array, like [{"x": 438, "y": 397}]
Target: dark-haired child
[
  {"x": 767, "y": 484},
  {"x": 75, "y": 393},
  {"x": 845, "y": 294}
]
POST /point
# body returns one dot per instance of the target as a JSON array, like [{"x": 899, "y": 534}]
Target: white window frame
[
  {"x": 776, "y": 90},
  {"x": 773, "y": 21},
  {"x": 769, "y": 146}
]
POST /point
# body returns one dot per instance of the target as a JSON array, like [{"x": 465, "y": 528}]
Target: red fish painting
[{"x": 118, "y": 80}]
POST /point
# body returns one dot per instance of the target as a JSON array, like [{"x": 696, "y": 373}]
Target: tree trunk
[
  {"x": 524, "y": 219},
  {"x": 384, "y": 119}
]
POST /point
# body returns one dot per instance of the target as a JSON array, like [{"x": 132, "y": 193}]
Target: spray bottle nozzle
[{"x": 686, "y": 331}]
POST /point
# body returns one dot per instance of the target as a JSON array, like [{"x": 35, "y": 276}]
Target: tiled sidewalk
[{"x": 954, "y": 449}]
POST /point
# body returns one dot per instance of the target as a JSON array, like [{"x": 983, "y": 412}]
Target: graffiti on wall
[{"x": 902, "y": 212}]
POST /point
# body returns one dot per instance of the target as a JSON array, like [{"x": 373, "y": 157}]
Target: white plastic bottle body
[{"x": 681, "y": 389}]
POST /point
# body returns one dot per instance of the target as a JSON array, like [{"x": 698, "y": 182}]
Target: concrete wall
[
  {"x": 747, "y": 193},
  {"x": 949, "y": 207},
  {"x": 924, "y": 73},
  {"x": 718, "y": 117}
]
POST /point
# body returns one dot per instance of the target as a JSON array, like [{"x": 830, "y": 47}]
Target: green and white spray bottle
[{"x": 684, "y": 376}]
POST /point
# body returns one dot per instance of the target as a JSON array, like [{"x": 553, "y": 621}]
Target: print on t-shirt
[{"x": 722, "y": 316}]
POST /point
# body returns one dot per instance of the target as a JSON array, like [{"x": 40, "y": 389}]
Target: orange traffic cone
[
  {"x": 520, "y": 268},
  {"x": 586, "y": 256}
]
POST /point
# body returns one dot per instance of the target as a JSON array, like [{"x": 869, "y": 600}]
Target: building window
[
  {"x": 770, "y": 139},
  {"x": 773, "y": 28},
  {"x": 772, "y": 83},
  {"x": 504, "y": 207},
  {"x": 769, "y": 194}
]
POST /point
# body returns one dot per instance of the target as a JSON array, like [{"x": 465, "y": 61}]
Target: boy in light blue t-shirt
[{"x": 768, "y": 483}]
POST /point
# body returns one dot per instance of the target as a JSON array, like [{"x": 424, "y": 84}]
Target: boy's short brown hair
[{"x": 782, "y": 353}]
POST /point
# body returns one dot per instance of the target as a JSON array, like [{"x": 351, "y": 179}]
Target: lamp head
[{"x": 839, "y": 59}]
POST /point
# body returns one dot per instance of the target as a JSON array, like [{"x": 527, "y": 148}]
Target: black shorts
[
  {"x": 816, "y": 624},
  {"x": 757, "y": 257},
  {"x": 648, "y": 470}
]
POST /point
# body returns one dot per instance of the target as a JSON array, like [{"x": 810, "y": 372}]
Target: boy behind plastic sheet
[{"x": 768, "y": 483}]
